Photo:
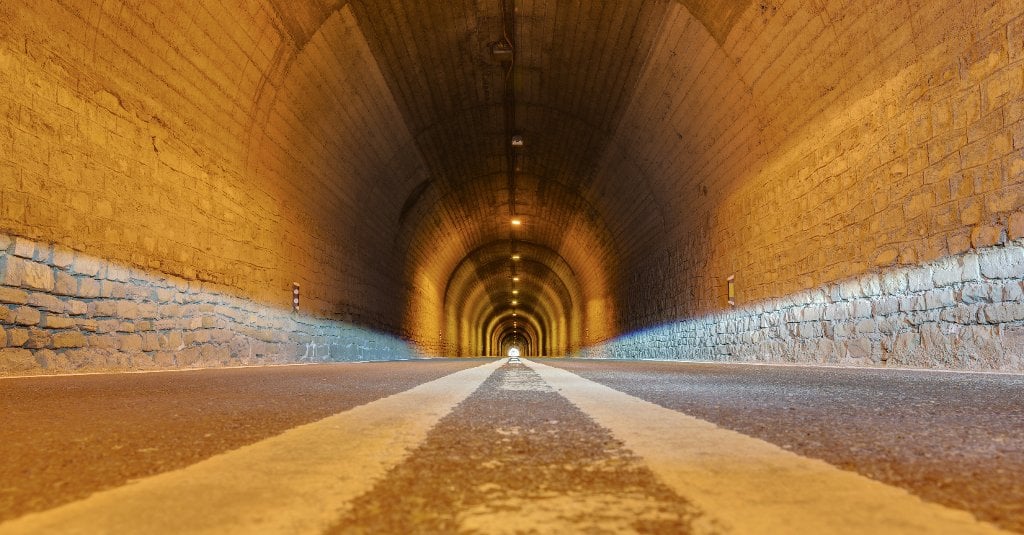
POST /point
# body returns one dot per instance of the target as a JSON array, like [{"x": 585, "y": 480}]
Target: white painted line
[
  {"x": 747, "y": 485},
  {"x": 187, "y": 370},
  {"x": 296, "y": 482},
  {"x": 727, "y": 363}
]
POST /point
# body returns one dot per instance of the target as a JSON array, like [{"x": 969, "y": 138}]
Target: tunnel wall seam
[
  {"x": 963, "y": 312},
  {"x": 63, "y": 311}
]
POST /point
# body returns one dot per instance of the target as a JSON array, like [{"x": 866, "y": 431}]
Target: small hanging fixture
[{"x": 502, "y": 51}]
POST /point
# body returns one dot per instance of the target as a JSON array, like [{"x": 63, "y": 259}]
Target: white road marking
[
  {"x": 296, "y": 482},
  {"x": 59, "y": 375},
  {"x": 747, "y": 485}
]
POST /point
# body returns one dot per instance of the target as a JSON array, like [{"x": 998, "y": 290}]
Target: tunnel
[{"x": 244, "y": 182}]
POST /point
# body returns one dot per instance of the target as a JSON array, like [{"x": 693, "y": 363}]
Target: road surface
[{"x": 541, "y": 446}]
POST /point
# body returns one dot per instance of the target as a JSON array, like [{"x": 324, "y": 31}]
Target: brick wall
[{"x": 62, "y": 311}]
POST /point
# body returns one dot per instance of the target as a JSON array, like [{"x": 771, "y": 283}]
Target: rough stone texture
[
  {"x": 162, "y": 322},
  {"x": 27, "y": 316},
  {"x": 17, "y": 337},
  {"x": 13, "y": 296},
  {"x": 359, "y": 148},
  {"x": 796, "y": 157},
  {"x": 202, "y": 140},
  {"x": 969, "y": 322},
  {"x": 16, "y": 361}
]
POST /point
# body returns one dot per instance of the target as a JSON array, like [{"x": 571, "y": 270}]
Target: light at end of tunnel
[{"x": 516, "y": 257}]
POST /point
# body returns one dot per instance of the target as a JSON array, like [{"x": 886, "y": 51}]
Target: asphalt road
[
  {"x": 66, "y": 437},
  {"x": 454, "y": 446},
  {"x": 952, "y": 438}
]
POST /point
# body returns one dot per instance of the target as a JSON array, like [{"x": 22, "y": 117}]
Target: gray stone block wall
[
  {"x": 963, "y": 312},
  {"x": 62, "y": 311}
]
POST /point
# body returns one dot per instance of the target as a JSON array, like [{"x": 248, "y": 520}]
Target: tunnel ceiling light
[
  {"x": 515, "y": 292},
  {"x": 515, "y": 279},
  {"x": 515, "y": 313},
  {"x": 514, "y": 302},
  {"x": 517, "y": 140},
  {"x": 516, "y": 257},
  {"x": 502, "y": 51},
  {"x": 517, "y": 222}
]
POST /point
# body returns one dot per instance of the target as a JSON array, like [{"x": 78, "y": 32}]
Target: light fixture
[
  {"x": 516, "y": 222},
  {"x": 515, "y": 292},
  {"x": 514, "y": 302},
  {"x": 515, "y": 313},
  {"x": 516, "y": 257},
  {"x": 515, "y": 279},
  {"x": 502, "y": 52},
  {"x": 517, "y": 141}
]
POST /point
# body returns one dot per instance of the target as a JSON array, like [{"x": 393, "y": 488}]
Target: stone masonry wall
[
  {"x": 63, "y": 311},
  {"x": 964, "y": 312},
  {"x": 819, "y": 142},
  {"x": 221, "y": 142}
]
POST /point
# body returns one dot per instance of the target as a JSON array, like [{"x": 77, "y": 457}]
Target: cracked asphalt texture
[
  {"x": 514, "y": 457},
  {"x": 956, "y": 439},
  {"x": 63, "y": 438}
]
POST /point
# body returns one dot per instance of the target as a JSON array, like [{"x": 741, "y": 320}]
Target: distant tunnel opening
[{"x": 591, "y": 189}]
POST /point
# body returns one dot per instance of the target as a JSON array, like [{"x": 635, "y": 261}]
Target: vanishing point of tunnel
[{"x": 789, "y": 233}]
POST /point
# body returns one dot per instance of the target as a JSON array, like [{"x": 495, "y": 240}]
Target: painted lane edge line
[
  {"x": 747, "y": 485},
  {"x": 297, "y": 482}
]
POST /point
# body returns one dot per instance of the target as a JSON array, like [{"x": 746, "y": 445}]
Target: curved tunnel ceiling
[
  {"x": 635, "y": 116},
  {"x": 453, "y": 96},
  {"x": 363, "y": 149}
]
